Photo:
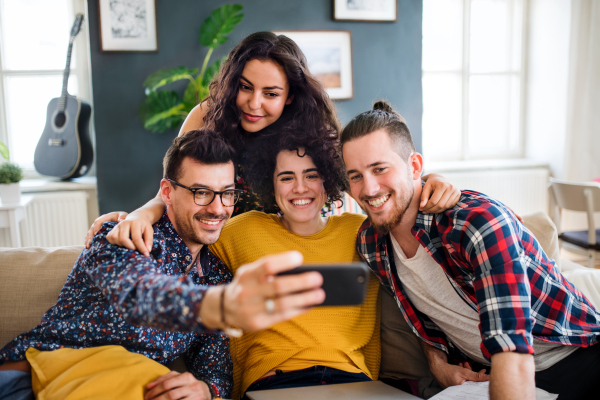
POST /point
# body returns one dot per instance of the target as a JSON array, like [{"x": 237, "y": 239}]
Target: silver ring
[{"x": 270, "y": 306}]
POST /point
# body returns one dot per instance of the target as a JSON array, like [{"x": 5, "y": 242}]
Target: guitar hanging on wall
[{"x": 65, "y": 148}]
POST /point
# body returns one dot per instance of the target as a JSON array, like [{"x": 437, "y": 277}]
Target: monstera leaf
[
  {"x": 194, "y": 94},
  {"x": 165, "y": 76},
  {"x": 162, "y": 111},
  {"x": 221, "y": 22}
]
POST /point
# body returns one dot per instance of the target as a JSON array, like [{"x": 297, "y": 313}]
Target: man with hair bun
[{"x": 472, "y": 282}]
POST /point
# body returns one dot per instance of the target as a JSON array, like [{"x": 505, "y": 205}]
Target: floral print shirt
[{"x": 116, "y": 296}]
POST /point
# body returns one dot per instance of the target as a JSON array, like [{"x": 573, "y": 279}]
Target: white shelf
[{"x": 57, "y": 185}]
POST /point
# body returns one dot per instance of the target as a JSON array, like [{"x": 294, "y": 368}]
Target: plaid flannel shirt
[{"x": 499, "y": 269}]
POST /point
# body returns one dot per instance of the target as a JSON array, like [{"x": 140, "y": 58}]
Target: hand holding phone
[{"x": 345, "y": 284}]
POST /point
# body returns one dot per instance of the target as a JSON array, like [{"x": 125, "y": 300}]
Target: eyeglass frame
[{"x": 215, "y": 193}]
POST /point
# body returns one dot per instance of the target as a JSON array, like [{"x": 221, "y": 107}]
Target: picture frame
[
  {"x": 365, "y": 10},
  {"x": 128, "y": 25},
  {"x": 329, "y": 56}
]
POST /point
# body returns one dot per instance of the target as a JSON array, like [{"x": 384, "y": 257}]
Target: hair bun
[{"x": 383, "y": 105}]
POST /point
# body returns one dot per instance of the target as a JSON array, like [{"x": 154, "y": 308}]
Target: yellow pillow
[{"x": 107, "y": 372}]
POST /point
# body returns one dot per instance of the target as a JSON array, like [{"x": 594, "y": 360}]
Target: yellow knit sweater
[{"x": 346, "y": 338}]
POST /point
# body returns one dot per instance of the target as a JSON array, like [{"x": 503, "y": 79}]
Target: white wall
[{"x": 547, "y": 82}]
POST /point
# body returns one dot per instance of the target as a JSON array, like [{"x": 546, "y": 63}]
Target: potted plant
[
  {"x": 10, "y": 176},
  {"x": 166, "y": 109}
]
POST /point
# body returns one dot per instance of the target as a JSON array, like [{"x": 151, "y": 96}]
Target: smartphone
[{"x": 344, "y": 284}]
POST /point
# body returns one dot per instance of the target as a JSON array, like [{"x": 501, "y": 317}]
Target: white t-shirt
[{"x": 427, "y": 287}]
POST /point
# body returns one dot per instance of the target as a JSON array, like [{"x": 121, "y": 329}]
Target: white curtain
[{"x": 582, "y": 158}]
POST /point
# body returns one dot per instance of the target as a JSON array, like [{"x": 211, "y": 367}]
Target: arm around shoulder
[{"x": 135, "y": 231}]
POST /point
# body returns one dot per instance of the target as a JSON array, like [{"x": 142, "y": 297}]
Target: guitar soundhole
[{"x": 60, "y": 119}]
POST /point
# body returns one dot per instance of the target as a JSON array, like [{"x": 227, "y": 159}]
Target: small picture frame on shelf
[
  {"x": 365, "y": 10},
  {"x": 128, "y": 25},
  {"x": 329, "y": 56}
]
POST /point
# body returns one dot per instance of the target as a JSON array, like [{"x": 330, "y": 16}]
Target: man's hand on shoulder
[{"x": 175, "y": 385}]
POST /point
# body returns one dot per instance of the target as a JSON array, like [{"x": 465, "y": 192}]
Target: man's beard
[
  {"x": 186, "y": 230},
  {"x": 397, "y": 213}
]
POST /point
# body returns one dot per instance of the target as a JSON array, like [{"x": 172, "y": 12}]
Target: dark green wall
[{"x": 386, "y": 64}]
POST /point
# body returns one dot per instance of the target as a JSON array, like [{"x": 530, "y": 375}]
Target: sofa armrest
[{"x": 31, "y": 279}]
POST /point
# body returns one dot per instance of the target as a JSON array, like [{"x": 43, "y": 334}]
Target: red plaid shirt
[{"x": 499, "y": 269}]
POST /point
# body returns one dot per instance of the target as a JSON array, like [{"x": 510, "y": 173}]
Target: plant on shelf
[
  {"x": 10, "y": 176},
  {"x": 10, "y": 173},
  {"x": 166, "y": 109}
]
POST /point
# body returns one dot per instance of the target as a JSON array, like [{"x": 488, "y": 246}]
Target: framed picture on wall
[
  {"x": 365, "y": 10},
  {"x": 329, "y": 56},
  {"x": 128, "y": 25}
]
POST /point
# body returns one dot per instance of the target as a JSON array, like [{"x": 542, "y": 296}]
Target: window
[
  {"x": 472, "y": 79},
  {"x": 34, "y": 37}
]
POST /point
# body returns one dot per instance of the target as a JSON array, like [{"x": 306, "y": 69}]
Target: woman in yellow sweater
[{"x": 327, "y": 344}]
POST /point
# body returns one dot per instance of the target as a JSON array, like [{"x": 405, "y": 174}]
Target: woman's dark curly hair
[
  {"x": 260, "y": 168},
  {"x": 310, "y": 117}
]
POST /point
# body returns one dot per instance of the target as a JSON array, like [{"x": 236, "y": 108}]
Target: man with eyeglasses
[{"x": 170, "y": 301}]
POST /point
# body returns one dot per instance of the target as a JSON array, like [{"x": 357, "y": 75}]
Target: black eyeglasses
[{"x": 205, "y": 196}]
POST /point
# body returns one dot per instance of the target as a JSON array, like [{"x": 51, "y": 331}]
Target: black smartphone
[{"x": 344, "y": 284}]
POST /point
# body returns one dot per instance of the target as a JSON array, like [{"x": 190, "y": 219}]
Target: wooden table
[{"x": 11, "y": 216}]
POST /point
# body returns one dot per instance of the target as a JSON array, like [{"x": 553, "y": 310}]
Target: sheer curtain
[{"x": 582, "y": 157}]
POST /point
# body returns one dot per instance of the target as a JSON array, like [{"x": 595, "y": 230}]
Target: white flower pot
[{"x": 10, "y": 193}]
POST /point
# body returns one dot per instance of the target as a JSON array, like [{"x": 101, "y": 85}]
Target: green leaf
[
  {"x": 212, "y": 71},
  {"x": 193, "y": 97},
  {"x": 190, "y": 97},
  {"x": 165, "y": 117},
  {"x": 161, "y": 111},
  {"x": 4, "y": 150},
  {"x": 221, "y": 22},
  {"x": 168, "y": 75}
]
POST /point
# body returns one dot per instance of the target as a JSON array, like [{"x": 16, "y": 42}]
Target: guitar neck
[{"x": 62, "y": 103}]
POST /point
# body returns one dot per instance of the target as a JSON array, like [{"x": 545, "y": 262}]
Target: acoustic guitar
[{"x": 65, "y": 148}]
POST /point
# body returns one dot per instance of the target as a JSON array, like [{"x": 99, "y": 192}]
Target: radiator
[
  {"x": 524, "y": 189},
  {"x": 54, "y": 219}
]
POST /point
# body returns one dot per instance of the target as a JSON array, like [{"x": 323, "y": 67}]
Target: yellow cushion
[{"x": 106, "y": 372}]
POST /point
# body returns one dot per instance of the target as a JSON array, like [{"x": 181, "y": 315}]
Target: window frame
[
  {"x": 82, "y": 72},
  {"x": 465, "y": 74}
]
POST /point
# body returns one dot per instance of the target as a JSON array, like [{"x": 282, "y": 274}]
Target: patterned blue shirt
[{"x": 116, "y": 296}]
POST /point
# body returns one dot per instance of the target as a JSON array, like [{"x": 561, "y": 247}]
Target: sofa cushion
[
  {"x": 401, "y": 354},
  {"x": 585, "y": 279},
  {"x": 545, "y": 232},
  {"x": 30, "y": 281}
]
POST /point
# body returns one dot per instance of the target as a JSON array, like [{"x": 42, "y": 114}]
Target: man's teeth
[
  {"x": 205, "y": 221},
  {"x": 378, "y": 202},
  {"x": 301, "y": 202}
]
